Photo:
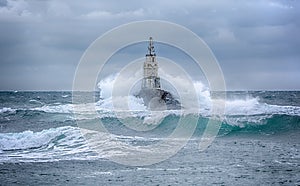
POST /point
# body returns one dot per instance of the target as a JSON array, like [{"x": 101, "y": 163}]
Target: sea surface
[{"x": 41, "y": 143}]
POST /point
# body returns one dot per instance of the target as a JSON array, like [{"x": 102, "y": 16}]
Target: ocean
[{"x": 41, "y": 143}]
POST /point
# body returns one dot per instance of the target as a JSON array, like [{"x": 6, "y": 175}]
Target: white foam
[
  {"x": 7, "y": 110},
  {"x": 252, "y": 106},
  {"x": 107, "y": 87},
  {"x": 130, "y": 103},
  {"x": 248, "y": 109},
  {"x": 130, "y": 106},
  {"x": 52, "y": 144},
  {"x": 35, "y": 101},
  {"x": 63, "y": 108},
  {"x": 29, "y": 139}
]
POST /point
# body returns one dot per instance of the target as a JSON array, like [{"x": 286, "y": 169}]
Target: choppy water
[{"x": 258, "y": 138}]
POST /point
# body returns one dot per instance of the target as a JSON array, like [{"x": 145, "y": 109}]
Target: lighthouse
[
  {"x": 151, "y": 79},
  {"x": 153, "y": 96}
]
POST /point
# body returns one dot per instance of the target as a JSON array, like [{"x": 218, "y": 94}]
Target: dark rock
[{"x": 158, "y": 99}]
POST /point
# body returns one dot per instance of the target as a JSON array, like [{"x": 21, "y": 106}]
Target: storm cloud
[{"x": 257, "y": 43}]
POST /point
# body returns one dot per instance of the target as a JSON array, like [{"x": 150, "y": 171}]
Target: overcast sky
[{"x": 257, "y": 43}]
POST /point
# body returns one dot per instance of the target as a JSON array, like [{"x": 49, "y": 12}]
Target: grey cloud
[{"x": 42, "y": 41}]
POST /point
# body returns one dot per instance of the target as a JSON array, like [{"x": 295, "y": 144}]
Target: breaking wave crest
[
  {"x": 47, "y": 145},
  {"x": 237, "y": 111},
  {"x": 65, "y": 143},
  {"x": 32, "y": 140}
]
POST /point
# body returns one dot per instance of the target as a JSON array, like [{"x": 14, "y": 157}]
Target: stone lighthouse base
[{"x": 158, "y": 99}]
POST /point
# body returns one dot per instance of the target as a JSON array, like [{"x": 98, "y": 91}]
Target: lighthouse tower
[
  {"x": 153, "y": 96},
  {"x": 151, "y": 79}
]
